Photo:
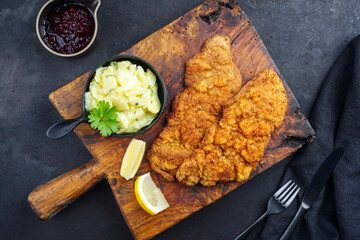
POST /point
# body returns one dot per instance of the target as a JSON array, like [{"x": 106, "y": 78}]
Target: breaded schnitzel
[
  {"x": 212, "y": 78},
  {"x": 232, "y": 148}
]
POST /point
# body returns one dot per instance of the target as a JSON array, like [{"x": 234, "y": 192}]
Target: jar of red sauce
[{"x": 67, "y": 28}]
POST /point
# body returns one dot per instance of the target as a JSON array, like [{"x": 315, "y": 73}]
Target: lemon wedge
[
  {"x": 132, "y": 158},
  {"x": 149, "y": 195}
]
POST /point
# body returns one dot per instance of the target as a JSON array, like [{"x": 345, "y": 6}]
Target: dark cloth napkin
[{"x": 335, "y": 118}]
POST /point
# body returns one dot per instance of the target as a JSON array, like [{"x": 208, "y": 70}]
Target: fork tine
[
  {"x": 290, "y": 192},
  {"x": 278, "y": 192},
  {"x": 286, "y": 191},
  {"x": 288, "y": 202}
]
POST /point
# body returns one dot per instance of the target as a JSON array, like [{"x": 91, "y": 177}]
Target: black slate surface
[{"x": 303, "y": 37}]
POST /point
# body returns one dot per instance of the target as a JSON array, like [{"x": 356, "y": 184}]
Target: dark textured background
[{"x": 303, "y": 37}]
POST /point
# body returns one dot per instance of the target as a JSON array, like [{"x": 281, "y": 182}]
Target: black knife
[{"x": 313, "y": 190}]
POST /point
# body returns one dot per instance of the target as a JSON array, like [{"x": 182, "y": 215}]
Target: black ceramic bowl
[{"x": 61, "y": 129}]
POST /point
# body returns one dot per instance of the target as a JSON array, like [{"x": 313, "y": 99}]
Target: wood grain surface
[
  {"x": 53, "y": 196},
  {"x": 167, "y": 50}
]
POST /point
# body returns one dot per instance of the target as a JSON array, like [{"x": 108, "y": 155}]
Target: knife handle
[
  {"x": 290, "y": 229},
  {"x": 51, "y": 197}
]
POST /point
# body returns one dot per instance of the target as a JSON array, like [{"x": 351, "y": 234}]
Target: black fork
[{"x": 276, "y": 204}]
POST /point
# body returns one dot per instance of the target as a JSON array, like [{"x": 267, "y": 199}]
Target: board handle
[{"x": 50, "y": 198}]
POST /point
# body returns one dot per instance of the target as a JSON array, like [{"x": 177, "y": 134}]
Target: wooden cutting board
[{"x": 167, "y": 50}]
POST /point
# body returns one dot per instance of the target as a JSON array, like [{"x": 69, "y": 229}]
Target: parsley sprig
[{"x": 103, "y": 118}]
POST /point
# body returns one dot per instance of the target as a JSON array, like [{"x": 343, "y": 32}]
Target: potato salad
[{"x": 130, "y": 89}]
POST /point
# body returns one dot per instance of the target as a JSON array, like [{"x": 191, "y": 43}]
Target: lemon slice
[
  {"x": 132, "y": 158},
  {"x": 149, "y": 195}
]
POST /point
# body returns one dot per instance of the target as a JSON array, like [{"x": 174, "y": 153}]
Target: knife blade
[{"x": 313, "y": 190}]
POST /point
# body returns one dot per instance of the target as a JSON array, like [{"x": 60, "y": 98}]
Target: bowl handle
[{"x": 60, "y": 129}]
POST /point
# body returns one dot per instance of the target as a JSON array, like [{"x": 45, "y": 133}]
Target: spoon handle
[{"x": 60, "y": 129}]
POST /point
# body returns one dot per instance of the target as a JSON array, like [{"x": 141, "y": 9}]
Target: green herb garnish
[{"x": 103, "y": 118}]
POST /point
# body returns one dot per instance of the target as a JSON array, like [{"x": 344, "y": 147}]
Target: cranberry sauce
[{"x": 69, "y": 28}]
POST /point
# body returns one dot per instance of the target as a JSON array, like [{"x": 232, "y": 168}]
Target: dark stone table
[{"x": 303, "y": 37}]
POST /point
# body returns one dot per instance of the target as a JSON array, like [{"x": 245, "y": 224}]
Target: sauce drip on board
[{"x": 69, "y": 28}]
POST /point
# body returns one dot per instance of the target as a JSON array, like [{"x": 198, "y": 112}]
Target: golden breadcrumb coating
[
  {"x": 212, "y": 78},
  {"x": 232, "y": 148}
]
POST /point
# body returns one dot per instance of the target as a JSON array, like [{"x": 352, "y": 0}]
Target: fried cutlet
[
  {"x": 232, "y": 148},
  {"x": 212, "y": 78}
]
